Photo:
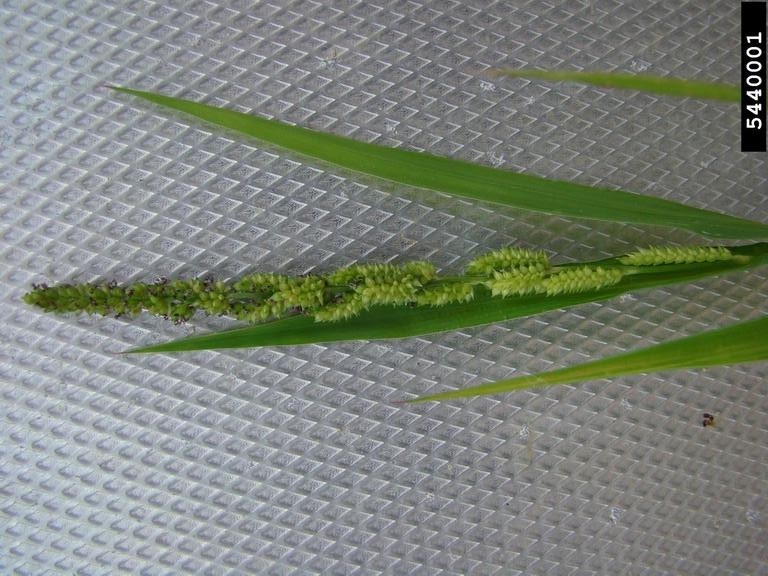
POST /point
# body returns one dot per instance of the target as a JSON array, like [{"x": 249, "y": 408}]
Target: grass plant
[{"x": 377, "y": 301}]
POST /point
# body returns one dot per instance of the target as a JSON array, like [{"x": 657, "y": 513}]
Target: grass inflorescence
[
  {"x": 657, "y": 256},
  {"x": 349, "y": 291}
]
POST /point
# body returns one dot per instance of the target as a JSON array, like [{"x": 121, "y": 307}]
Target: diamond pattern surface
[{"x": 295, "y": 460}]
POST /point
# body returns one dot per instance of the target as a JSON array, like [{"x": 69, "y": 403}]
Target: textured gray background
[{"x": 294, "y": 460}]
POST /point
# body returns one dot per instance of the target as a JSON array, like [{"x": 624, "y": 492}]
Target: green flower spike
[
  {"x": 348, "y": 292},
  {"x": 517, "y": 282},
  {"x": 581, "y": 279},
  {"x": 447, "y": 293},
  {"x": 507, "y": 259},
  {"x": 657, "y": 256}
]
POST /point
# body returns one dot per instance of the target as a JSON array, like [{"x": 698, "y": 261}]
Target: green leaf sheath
[
  {"x": 467, "y": 180},
  {"x": 639, "y": 82},
  {"x": 736, "y": 344},
  {"x": 385, "y": 322}
]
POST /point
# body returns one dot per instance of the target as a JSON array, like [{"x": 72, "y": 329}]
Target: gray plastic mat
[{"x": 295, "y": 460}]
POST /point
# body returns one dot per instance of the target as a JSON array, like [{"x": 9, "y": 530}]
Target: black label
[{"x": 753, "y": 89}]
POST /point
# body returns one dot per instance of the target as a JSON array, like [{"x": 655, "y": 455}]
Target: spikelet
[
  {"x": 397, "y": 291},
  {"x": 357, "y": 273},
  {"x": 65, "y": 298},
  {"x": 421, "y": 271},
  {"x": 306, "y": 292},
  {"x": 580, "y": 279},
  {"x": 381, "y": 273},
  {"x": 443, "y": 294},
  {"x": 172, "y": 300},
  {"x": 658, "y": 255},
  {"x": 349, "y": 275},
  {"x": 254, "y": 312},
  {"x": 213, "y": 299},
  {"x": 259, "y": 283},
  {"x": 507, "y": 259},
  {"x": 350, "y": 305},
  {"x": 517, "y": 282}
]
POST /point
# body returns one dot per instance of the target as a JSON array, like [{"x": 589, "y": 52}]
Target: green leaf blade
[
  {"x": 738, "y": 344},
  {"x": 467, "y": 180},
  {"x": 639, "y": 82}
]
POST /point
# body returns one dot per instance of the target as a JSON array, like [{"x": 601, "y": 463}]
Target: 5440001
[{"x": 753, "y": 77}]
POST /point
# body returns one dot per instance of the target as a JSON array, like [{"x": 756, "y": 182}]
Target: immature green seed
[
  {"x": 253, "y": 313},
  {"x": 346, "y": 276},
  {"x": 443, "y": 294},
  {"x": 349, "y": 306},
  {"x": 258, "y": 283},
  {"x": 517, "y": 282},
  {"x": 507, "y": 259},
  {"x": 381, "y": 273},
  {"x": 659, "y": 255},
  {"x": 421, "y": 271},
  {"x": 396, "y": 291},
  {"x": 303, "y": 292},
  {"x": 358, "y": 273},
  {"x": 580, "y": 279}
]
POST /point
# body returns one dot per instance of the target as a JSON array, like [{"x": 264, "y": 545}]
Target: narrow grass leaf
[
  {"x": 639, "y": 82},
  {"x": 401, "y": 322},
  {"x": 738, "y": 344},
  {"x": 468, "y": 180}
]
